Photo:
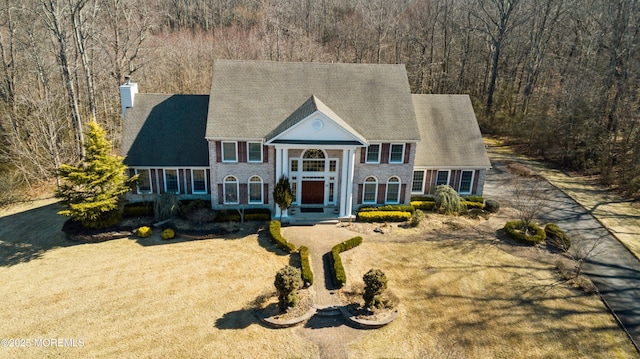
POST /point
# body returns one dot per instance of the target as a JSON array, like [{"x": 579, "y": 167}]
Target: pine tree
[
  {"x": 91, "y": 191},
  {"x": 282, "y": 194}
]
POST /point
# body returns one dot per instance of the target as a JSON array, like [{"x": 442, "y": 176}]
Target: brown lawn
[{"x": 461, "y": 296}]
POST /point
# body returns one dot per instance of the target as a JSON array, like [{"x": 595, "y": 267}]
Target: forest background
[{"x": 560, "y": 78}]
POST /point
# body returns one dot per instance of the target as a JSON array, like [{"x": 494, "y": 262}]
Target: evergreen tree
[
  {"x": 282, "y": 194},
  {"x": 91, "y": 191}
]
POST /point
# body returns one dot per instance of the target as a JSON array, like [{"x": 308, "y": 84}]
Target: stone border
[
  {"x": 278, "y": 323},
  {"x": 365, "y": 323}
]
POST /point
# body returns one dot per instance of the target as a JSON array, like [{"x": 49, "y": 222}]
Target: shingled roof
[
  {"x": 250, "y": 99},
  {"x": 166, "y": 130},
  {"x": 449, "y": 131}
]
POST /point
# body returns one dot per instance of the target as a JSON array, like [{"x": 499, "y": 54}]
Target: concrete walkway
[
  {"x": 330, "y": 332},
  {"x": 613, "y": 269}
]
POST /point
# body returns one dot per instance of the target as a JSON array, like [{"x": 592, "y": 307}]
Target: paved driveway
[{"x": 613, "y": 269}]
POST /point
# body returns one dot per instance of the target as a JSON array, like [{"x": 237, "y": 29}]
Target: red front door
[{"x": 312, "y": 192}]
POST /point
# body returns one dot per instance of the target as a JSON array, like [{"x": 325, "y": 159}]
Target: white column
[
  {"x": 352, "y": 161},
  {"x": 278, "y": 163},
  {"x": 343, "y": 183}
]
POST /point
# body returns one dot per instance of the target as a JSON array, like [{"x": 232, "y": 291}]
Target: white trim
[
  {"x": 366, "y": 154},
  {"x": 386, "y": 190},
  {"x": 401, "y": 155},
  {"x": 364, "y": 190},
  {"x": 473, "y": 174},
  {"x": 448, "y": 177},
  {"x": 136, "y": 171},
  {"x": 193, "y": 187},
  {"x": 249, "y": 152},
  {"x": 235, "y": 144},
  {"x": 164, "y": 175},
  {"x": 249, "y": 190},
  {"x": 424, "y": 172},
  {"x": 224, "y": 189}
]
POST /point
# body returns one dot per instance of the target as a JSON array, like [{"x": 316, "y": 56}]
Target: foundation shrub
[
  {"x": 491, "y": 206},
  {"x": 472, "y": 205},
  {"x": 472, "y": 198},
  {"x": 424, "y": 205},
  {"x": 305, "y": 267},
  {"x": 514, "y": 230},
  {"x": 138, "y": 209},
  {"x": 278, "y": 239},
  {"x": 557, "y": 238},
  {"x": 388, "y": 208},
  {"x": 417, "y": 217},
  {"x": 250, "y": 214},
  {"x": 423, "y": 198},
  {"x": 384, "y": 216},
  {"x": 340, "y": 275}
]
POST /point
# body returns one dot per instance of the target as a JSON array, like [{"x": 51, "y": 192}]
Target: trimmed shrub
[
  {"x": 472, "y": 205},
  {"x": 138, "y": 209},
  {"x": 278, "y": 239},
  {"x": 556, "y": 237},
  {"x": 491, "y": 206},
  {"x": 478, "y": 199},
  {"x": 338, "y": 268},
  {"x": 168, "y": 233},
  {"x": 416, "y": 218},
  {"x": 389, "y": 208},
  {"x": 287, "y": 283},
  {"x": 513, "y": 229},
  {"x": 422, "y": 198},
  {"x": 375, "y": 282},
  {"x": 144, "y": 232},
  {"x": 384, "y": 216},
  {"x": 424, "y": 205},
  {"x": 305, "y": 267}
]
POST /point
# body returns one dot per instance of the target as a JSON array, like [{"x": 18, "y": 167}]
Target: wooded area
[{"x": 559, "y": 76}]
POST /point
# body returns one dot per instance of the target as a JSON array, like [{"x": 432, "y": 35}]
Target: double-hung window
[
  {"x": 144, "y": 181},
  {"x": 373, "y": 153},
  {"x": 254, "y": 150},
  {"x": 466, "y": 178},
  {"x": 418, "y": 182},
  {"x": 255, "y": 189},
  {"x": 370, "y": 190},
  {"x": 198, "y": 181},
  {"x": 230, "y": 190},
  {"x": 229, "y": 151},
  {"x": 442, "y": 178},
  {"x": 393, "y": 190},
  {"x": 396, "y": 154},
  {"x": 171, "y": 183}
]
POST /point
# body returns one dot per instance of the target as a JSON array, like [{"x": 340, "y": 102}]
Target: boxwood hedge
[
  {"x": 384, "y": 216},
  {"x": 305, "y": 267},
  {"x": 424, "y": 205},
  {"x": 389, "y": 208},
  {"x": 338, "y": 269},
  {"x": 278, "y": 239},
  {"x": 513, "y": 229}
]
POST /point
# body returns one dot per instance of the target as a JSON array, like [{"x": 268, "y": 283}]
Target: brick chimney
[{"x": 128, "y": 93}]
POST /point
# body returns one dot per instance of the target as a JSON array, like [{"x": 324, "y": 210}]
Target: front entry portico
[{"x": 315, "y": 150}]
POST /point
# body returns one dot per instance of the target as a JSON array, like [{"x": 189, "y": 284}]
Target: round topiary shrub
[
  {"x": 287, "y": 283},
  {"x": 168, "y": 233},
  {"x": 375, "y": 282},
  {"x": 557, "y": 238},
  {"x": 514, "y": 230},
  {"x": 144, "y": 232},
  {"x": 491, "y": 206}
]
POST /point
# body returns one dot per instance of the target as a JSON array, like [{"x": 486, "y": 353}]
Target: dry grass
[
  {"x": 468, "y": 299},
  {"x": 152, "y": 298},
  {"x": 139, "y": 298}
]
